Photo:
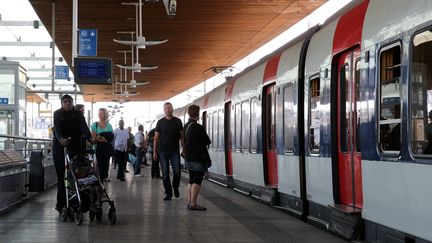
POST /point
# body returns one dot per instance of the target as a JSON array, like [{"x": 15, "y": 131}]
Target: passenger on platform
[
  {"x": 428, "y": 131},
  {"x": 69, "y": 126},
  {"x": 121, "y": 155},
  {"x": 196, "y": 142},
  {"x": 80, "y": 107},
  {"x": 155, "y": 169},
  {"x": 139, "y": 151},
  {"x": 169, "y": 130},
  {"x": 131, "y": 143},
  {"x": 102, "y": 132}
]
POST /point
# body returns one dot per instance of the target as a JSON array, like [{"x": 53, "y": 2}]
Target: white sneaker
[{"x": 138, "y": 175}]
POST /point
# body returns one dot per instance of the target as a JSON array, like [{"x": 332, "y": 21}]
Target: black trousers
[
  {"x": 103, "y": 163},
  {"x": 121, "y": 158},
  {"x": 59, "y": 164},
  {"x": 155, "y": 170}
]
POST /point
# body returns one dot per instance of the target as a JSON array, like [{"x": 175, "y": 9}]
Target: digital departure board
[{"x": 93, "y": 70}]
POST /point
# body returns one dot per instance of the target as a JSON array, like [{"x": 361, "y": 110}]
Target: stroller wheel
[
  {"x": 78, "y": 217},
  {"x": 63, "y": 214},
  {"x": 99, "y": 215},
  {"x": 70, "y": 213},
  {"x": 112, "y": 216},
  {"x": 92, "y": 216}
]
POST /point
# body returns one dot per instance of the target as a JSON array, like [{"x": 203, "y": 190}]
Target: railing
[{"x": 24, "y": 145}]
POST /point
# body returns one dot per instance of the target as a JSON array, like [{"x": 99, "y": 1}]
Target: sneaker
[
  {"x": 126, "y": 171},
  {"x": 176, "y": 193},
  {"x": 138, "y": 175},
  {"x": 167, "y": 198}
]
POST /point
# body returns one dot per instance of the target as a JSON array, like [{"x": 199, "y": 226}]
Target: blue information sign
[
  {"x": 4, "y": 101},
  {"x": 87, "y": 42},
  {"x": 61, "y": 72}
]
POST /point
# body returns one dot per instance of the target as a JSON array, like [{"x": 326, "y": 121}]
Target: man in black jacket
[{"x": 69, "y": 127}]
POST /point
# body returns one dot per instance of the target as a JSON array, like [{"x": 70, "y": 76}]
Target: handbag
[
  {"x": 196, "y": 166},
  {"x": 204, "y": 161}
]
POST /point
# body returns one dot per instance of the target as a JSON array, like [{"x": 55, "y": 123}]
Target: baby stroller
[{"x": 84, "y": 190}]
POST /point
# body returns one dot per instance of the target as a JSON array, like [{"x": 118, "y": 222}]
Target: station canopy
[{"x": 201, "y": 35}]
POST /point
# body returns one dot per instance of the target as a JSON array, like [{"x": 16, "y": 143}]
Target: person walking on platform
[
  {"x": 155, "y": 170},
  {"x": 139, "y": 151},
  {"x": 121, "y": 155},
  {"x": 196, "y": 142},
  {"x": 169, "y": 130},
  {"x": 69, "y": 127},
  {"x": 102, "y": 132}
]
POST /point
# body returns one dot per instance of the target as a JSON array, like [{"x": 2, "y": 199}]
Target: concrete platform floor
[{"x": 142, "y": 216}]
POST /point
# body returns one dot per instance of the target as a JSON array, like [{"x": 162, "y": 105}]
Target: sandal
[{"x": 197, "y": 208}]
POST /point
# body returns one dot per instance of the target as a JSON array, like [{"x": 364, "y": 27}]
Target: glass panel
[
  {"x": 237, "y": 129},
  {"x": 390, "y": 101},
  {"x": 253, "y": 130},
  {"x": 289, "y": 118},
  {"x": 314, "y": 115},
  {"x": 221, "y": 129},
  {"x": 357, "y": 105},
  {"x": 215, "y": 130},
  {"x": 344, "y": 107},
  {"x": 269, "y": 121},
  {"x": 245, "y": 125},
  {"x": 7, "y": 85},
  {"x": 210, "y": 130},
  {"x": 421, "y": 93},
  {"x": 231, "y": 135}
]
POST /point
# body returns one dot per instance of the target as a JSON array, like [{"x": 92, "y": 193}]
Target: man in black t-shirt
[{"x": 168, "y": 132}]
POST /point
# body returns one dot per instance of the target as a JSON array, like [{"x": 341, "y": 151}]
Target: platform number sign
[{"x": 61, "y": 72}]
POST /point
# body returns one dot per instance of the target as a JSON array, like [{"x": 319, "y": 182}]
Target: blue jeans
[
  {"x": 137, "y": 163},
  {"x": 164, "y": 159}
]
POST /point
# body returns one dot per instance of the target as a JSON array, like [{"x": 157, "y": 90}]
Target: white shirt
[
  {"x": 121, "y": 137},
  {"x": 139, "y": 138}
]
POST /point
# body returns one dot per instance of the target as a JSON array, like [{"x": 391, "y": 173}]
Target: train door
[
  {"x": 269, "y": 151},
  {"x": 228, "y": 139},
  {"x": 348, "y": 122}
]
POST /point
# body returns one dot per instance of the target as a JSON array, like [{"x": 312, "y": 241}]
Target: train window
[
  {"x": 314, "y": 115},
  {"x": 253, "y": 130},
  {"x": 221, "y": 129},
  {"x": 421, "y": 93},
  {"x": 245, "y": 129},
  {"x": 290, "y": 118},
  {"x": 215, "y": 130},
  {"x": 390, "y": 99},
  {"x": 237, "y": 129}
]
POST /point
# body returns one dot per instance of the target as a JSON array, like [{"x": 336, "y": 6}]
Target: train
[{"x": 334, "y": 126}]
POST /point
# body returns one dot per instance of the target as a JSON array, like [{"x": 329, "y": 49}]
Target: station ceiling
[{"x": 201, "y": 35}]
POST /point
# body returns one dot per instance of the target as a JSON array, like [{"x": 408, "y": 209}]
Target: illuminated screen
[{"x": 93, "y": 70}]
